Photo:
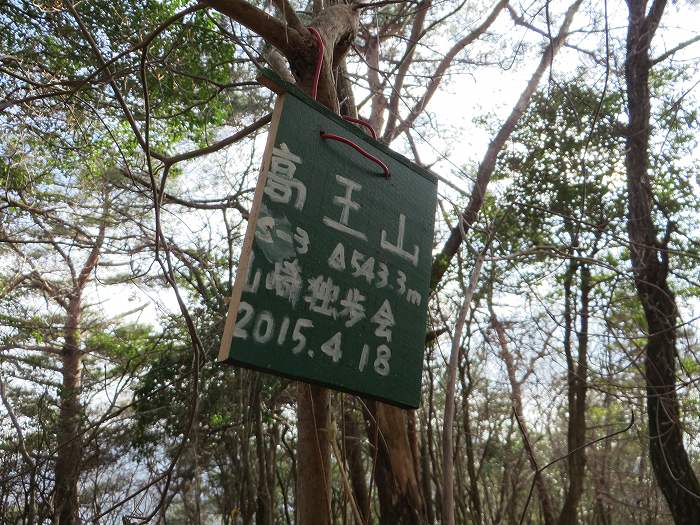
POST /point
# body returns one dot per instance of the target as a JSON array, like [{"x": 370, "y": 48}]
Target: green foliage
[
  {"x": 193, "y": 74},
  {"x": 562, "y": 169}
]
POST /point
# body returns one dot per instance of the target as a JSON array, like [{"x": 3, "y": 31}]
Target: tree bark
[
  {"x": 404, "y": 476},
  {"x": 398, "y": 463},
  {"x": 426, "y": 474},
  {"x": 400, "y": 498},
  {"x": 69, "y": 435},
  {"x": 313, "y": 455},
  {"x": 353, "y": 452},
  {"x": 672, "y": 467},
  {"x": 474, "y": 497},
  {"x": 264, "y": 513},
  {"x": 337, "y": 25},
  {"x": 67, "y": 470},
  {"x": 577, "y": 387}
]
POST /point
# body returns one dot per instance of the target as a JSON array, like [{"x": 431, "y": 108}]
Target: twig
[{"x": 585, "y": 445}]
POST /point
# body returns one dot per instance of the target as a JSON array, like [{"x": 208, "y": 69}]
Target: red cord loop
[
  {"x": 319, "y": 61},
  {"x": 332, "y": 136},
  {"x": 362, "y": 123},
  {"x": 357, "y": 148}
]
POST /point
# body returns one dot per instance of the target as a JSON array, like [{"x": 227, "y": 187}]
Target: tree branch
[
  {"x": 519, "y": 20},
  {"x": 290, "y": 15},
  {"x": 198, "y": 204},
  {"x": 91, "y": 261},
  {"x": 406, "y": 62},
  {"x": 674, "y": 50},
  {"x": 652, "y": 20},
  {"x": 81, "y": 83},
  {"x": 239, "y": 135},
  {"x": 448, "y": 511},
  {"x": 380, "y": 3},
  {"x": 32, "y": 348},
  {"x": 440, "y": 71},
  {"x": 488, "y": 163},
  {"x": 15, "y": 423},
  {"x": 284, "y": 37}
]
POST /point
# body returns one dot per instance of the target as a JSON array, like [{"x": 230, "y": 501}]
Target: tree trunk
[
  {"x": 400, "y": 499},
  {"x": 67, "y": 470},
  {"x": 474, "y": 498},
  {"x": 313, "y": 455},
  {"x": 426, "y": 473},
  {"x": 337, "y": 26},
  {"x": 602, "y": 515},
  {"x": 402, "y": 454},
  {"x": 264, "y": 505},
  {"x": 577, "y": 386},
  {"x": 672, "y": 468},
  {"x": 353, "y": 452}
]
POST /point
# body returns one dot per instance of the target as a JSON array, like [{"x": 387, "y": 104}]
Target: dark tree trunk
[
  {"x": 264, "y": 514},
  {"x": 337, "y": 26},
  {"x": 398, "y": 465},
  {"x": 353, "y": 452},
  {"x": 672, "y": 468},
  {"x": 69, "y": 453},
  {"x": 313, "y": 455},
  {"x": 426, "y": 474},
  {"x": 69, "y": 435},
  {"x": 400, "y": 498},
  {"x": 577, "y": 386},
  {"x": 467, "y": 383},
  {"x": 602, "y": 515}
]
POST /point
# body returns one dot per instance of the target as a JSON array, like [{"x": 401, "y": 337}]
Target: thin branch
[
  {"x": 80, "y": 84},
  {"x": 448, "y": 514},
  {"x": 488, "y": 163},
  {"x": 31, "y": 363},
  {"x": 239, "y": 135},
  {"x": 519, "y": 20},
  {"x": 440, "y": 71},
  {"x": 380, "y": 3},
  {"x": 675, "y": 49},
  {"x": 585, "y": 445},
  {"x": 198, "y": 204},
  {"x": 91, "y": 261},
  {"x": 406, "y": 62},
  {"x": 32, "y": 348},
  {"x": 15, "y": 423},
  {"x": 115, "y": 89},
  {"x": 290, "y": 15}
]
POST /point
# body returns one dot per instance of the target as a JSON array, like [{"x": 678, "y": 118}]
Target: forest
[{"x": 560, "y": 371}]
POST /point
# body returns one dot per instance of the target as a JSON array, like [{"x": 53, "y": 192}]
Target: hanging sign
[{"x": 333, "y": 279}]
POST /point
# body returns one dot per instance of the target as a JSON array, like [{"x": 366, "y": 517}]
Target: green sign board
[{"x": 332, "y": 284}]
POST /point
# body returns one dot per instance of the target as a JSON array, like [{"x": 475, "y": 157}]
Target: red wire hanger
[{"x": 333, "y": 136}]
